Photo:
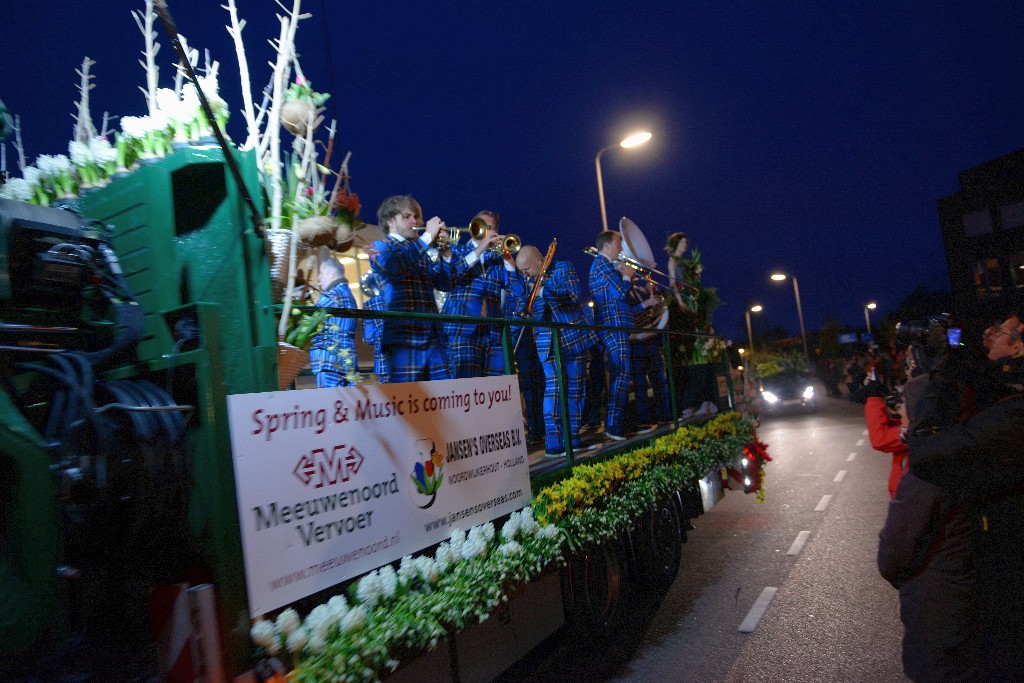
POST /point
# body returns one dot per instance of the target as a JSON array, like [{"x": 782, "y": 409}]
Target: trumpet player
[
  {"x": 558, "y": 300},
  {"x": 475, "y": 350},
  {"x": 616, "y": 303},
  {"x": 413, "y": 348}
]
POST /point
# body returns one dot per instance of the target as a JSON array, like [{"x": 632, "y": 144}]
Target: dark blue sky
[{"x": 813, "y": 139}]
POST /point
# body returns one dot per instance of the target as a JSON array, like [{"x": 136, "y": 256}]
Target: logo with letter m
[{"x": 328, "y": 468}]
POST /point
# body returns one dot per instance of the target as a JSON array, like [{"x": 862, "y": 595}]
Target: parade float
[{"x": 172, "y": 509}]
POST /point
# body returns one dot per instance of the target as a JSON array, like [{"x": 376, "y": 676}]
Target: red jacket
[{"x": 885, "y": 437}]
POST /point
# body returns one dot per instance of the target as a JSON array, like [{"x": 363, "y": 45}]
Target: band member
[
  {"x": 332, "y": 355},
  {"x": 557, "y": 301},
  {"x": 411, "y": 347},
  {"x": 616, "y": 303},
  {"x": 372, "y": 327},
  {"x": 593, "y": 401},
  {"x": 475, "y": 350},
  {"x": 530, "y": 372},
  {"x": 648, "y": 366}
]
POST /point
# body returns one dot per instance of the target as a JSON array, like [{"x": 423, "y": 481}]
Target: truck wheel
[{"x": 660, "y": 547}]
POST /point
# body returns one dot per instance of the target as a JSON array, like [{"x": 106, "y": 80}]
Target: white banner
[{"x": 332, "y": 483}]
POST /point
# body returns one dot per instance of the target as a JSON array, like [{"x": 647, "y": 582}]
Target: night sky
[{"x": 811, "y": 139}]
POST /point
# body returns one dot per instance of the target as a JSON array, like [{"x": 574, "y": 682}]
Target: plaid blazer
[
  {"x": 558, "y": 301},
  {"x": 615, "y": 300},
  {"x": 337, "y": 332},
  {"x": 473, "y": 287},
  {"x": 411, "y": 279}
]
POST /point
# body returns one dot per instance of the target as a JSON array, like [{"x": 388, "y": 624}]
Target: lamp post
[
  {"x": 867, "y": 318},
  {"x": 633, "y": 140},
  {"x": 779, "y": 277},
  {"x": 750, "y": 335}
]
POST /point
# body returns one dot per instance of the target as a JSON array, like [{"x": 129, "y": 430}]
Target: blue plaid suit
[
  {"x": 372, "y": 329},
  {"x": 529, "y": 370},
  {"x": 615, "y": 304},
  {"x": 336, "y": 339},
  {"x": 559, "y": 302},
  {"x": 474, "y": 350},
  {"x": 413, "y": 347}
]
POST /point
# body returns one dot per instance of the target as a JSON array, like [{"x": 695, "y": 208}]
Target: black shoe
[
  {"x": 554, "y": 452},
  {"x": 645, "y": 429},
  {"x": 613, "y": 436}
]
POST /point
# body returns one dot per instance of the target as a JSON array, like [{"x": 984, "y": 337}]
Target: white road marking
[
  {"x": 860, "y": 442},
  {"x": 851, "y": 457},
  {"x": 758, "y": 610},
  {"x": 798, "y": 544},
  {"x": 823, "y": 503},
  {"x": 865, "y": 432},
  {"x": 839, "y": 475}
]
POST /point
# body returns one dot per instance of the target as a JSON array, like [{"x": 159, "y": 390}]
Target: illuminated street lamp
[
  {"x": 634, "y": 140},
  {"x": 867, "y": 319},
  {"x": 779, "y": 277},
  {"x": 750, "y": 335}
]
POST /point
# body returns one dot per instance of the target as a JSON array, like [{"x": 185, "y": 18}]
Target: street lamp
[
  {"x": 750, "y": 335},
  {"x": 779, "y": 277},
  {"x": 867, "y": 318},
  {"x": 634, "y": 140}
]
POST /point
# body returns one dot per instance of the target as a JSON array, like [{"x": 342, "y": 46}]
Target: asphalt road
[{"x": 832, "y": 617}]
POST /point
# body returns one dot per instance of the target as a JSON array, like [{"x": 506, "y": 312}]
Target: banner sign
[
  {"x": 848, "y": 338},
  {"x": 333, "y": 483}
]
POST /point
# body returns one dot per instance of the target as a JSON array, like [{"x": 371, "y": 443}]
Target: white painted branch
[{"x": 235, "y": 31}]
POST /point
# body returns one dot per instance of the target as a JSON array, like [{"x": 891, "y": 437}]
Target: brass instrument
[
  {"x": 448, "y": 237},
  {"x": 644, "y": 270},
  {"x": 509, "y": 244}
]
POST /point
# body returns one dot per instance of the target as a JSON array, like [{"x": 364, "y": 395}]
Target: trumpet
[
  {"x": 509, "y": 244},
  {"x": 448, "y": 237}
]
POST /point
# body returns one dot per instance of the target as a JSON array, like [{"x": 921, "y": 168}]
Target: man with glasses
[{"x": 981, "y": 459}]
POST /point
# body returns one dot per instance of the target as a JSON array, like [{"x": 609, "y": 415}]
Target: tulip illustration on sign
[{"x": 427, "y": 475}]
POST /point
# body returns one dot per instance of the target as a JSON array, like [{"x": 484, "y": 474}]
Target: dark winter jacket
[
  {"x": 925, "y": 552},
  {"x": 982, "y": 461}
]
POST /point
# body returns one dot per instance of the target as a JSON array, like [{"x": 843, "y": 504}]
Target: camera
[{"x": 938, "y": 331}]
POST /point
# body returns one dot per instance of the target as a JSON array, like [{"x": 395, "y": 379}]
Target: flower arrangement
[
  {"x": 360, "y": 636},
  {"x": 427, "y": 476}
]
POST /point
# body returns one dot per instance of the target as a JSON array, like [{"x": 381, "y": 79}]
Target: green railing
[{"x": 508, "y": 345}]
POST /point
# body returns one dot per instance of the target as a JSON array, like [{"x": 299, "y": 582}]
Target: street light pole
[
  {"x": 633, "y": 140},
  {"x": 779, "y": 277},
  {"x": 750, "y": 334},
  {"x": 867, "y": 318}
]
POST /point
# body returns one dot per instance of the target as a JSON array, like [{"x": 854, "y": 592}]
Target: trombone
[{"x": 643, "y": 270}]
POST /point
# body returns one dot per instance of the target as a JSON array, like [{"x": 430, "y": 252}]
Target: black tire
[{"x": 659, "y": 548}]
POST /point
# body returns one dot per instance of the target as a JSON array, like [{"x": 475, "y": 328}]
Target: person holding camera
[
  {"x": 886, "y": 423},
  {"x": 980, "y": 458}
]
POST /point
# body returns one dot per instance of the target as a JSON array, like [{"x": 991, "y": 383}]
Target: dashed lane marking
[
  {"x": 865, "y": 432},
  {"x": 758, "y": 610},
  {"x": 840, "y": 475},
  {"x": 851, "y": 457},
  {"x": 798, "y": 544},
  {"x": 823, "y": 503},
  {"x": 860, "y": 442}
]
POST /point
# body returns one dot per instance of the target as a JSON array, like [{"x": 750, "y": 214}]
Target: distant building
[{"x": 983, "y": 232}]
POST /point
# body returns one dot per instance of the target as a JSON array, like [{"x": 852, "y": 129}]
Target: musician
[
  {"x": 648, "y": 367},
  {"x": 332, "y": 355},
  {"x": 373, "y": 289},
  {"x": 530, "y": 372},
  {"x": 676, "y": 246},
  {"x": 475, "y": 350},
  {"x": 616, "y": 304},
  {"x": 412, "y": 348},
  {"x": 557, "y": 301}
]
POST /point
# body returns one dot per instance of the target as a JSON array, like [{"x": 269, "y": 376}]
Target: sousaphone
[{"x": 636, "y": 247}]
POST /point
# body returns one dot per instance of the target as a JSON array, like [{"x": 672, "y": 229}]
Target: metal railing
[{"x": 508, "y": 345}]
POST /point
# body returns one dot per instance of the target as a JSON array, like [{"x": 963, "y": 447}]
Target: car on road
[{"x": 789, "y": 390}]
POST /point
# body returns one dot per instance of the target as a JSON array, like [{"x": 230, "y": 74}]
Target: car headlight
[
  {"x": 808, "y": 392},
  {"x": 769, "y": 396}
]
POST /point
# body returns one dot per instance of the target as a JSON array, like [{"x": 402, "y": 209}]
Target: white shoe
[
  {"x": 689, "y": 412},
  {"x": 708, "y": 408}
]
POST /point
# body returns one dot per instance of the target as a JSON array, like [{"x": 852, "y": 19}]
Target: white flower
[
  {"x": 458, "y": 537},
  {"x": 80, "y": 153},
  {"x": 511, "y": 528},
  {"x": 407, "y": 568},
  {"x": 339, "y": 606},
  {"x": 102, "y": 151},
  {"x": 133, "y": 127},
  {"x": 388, "y": 580},
  {"x": 288, "y": 621},
  {"x": 428, "y": 569},
  {"x": 317, "y": 642},
  {"x": 263, "y": 633},
  {"x": 53, "y": 164},
  {"x": 320, "y": 620},
  {"x": 156, "y": 122},
  {"x": 210, "y": 88},
  {"x": 510, "y": 548},
  {"x": 168, "y": 102},
  {"x": 297, "y": 640},
  {"x": 32, "y": 175},
  {"x": 444, "y": 556},
  {"x": 189, "y": 106},
  {"x": 549, "y": 531},
  {"x": 17, "y": 188},
  {"x": 354, "y": 620},
  {"x": 369, "y": 589}
]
